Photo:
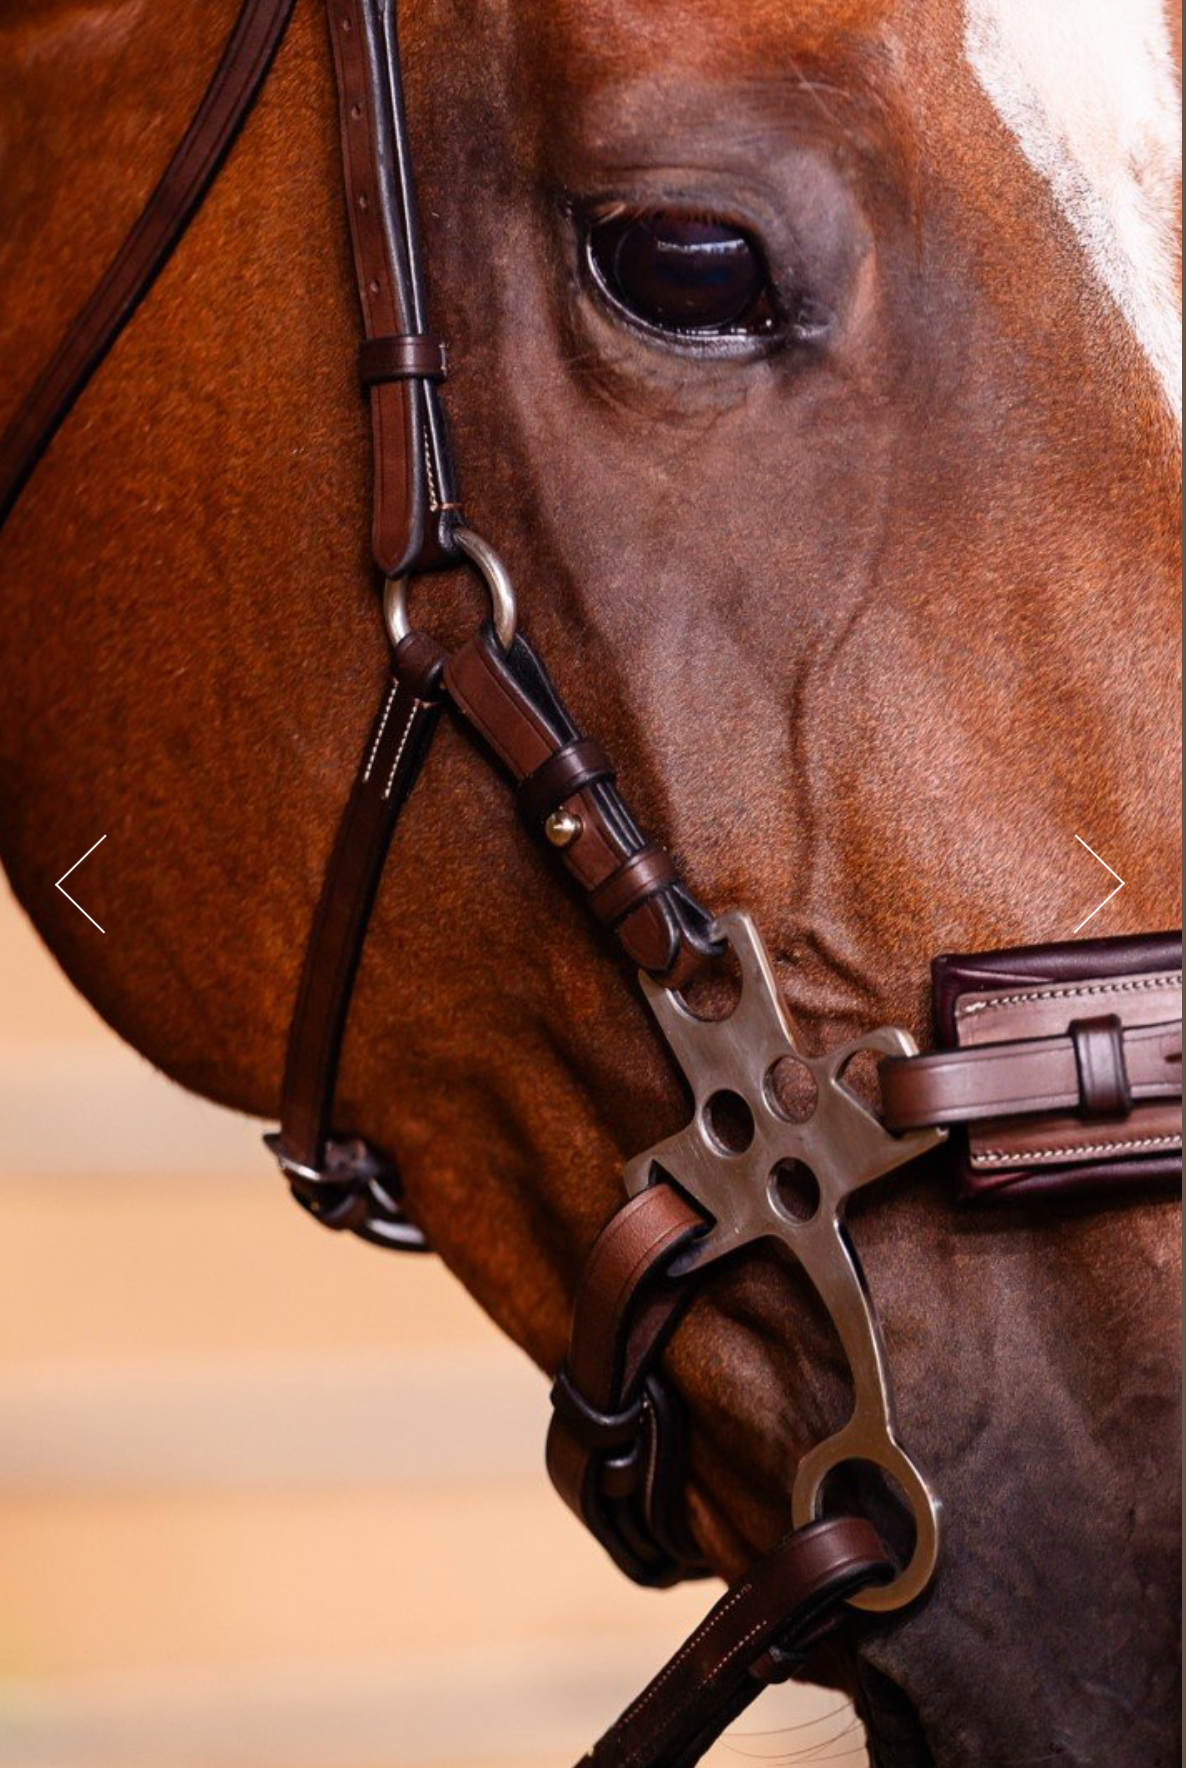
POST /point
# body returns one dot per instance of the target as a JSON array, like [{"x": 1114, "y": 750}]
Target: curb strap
[
  {"x": 162, "y": 222},
  {"x": 761, "y": 1632}
]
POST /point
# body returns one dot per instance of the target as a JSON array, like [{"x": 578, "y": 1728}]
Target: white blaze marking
[{"x": 1090, "y": 91}]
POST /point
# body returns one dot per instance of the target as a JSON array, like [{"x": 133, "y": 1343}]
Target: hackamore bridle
[{"x": 1059, "y": 1067}]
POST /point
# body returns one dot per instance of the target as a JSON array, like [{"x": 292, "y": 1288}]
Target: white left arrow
[{"x": 70, "y": 874}]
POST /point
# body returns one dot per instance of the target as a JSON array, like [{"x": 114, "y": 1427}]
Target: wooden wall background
[{"x": 268, "y": 1500}]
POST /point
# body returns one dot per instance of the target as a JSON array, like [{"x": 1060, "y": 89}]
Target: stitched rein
[{"x": 1045, "y": 1103}]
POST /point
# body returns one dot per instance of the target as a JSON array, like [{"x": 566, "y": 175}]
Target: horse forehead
[
  {"x": 1089, "y": 91},
  {"x": 594, "y": 36}
]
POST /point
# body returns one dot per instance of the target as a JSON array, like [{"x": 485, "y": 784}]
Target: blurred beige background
[{"x": 268, "y": 1498}]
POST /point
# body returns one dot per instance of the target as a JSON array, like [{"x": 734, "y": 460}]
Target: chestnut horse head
[{"x": 872, "y": 585}]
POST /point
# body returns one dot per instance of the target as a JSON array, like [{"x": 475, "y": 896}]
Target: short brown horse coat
[{"x": 874, "y": 633}]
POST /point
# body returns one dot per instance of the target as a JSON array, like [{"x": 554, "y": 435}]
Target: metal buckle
[{"x": 353, "y": 1195}]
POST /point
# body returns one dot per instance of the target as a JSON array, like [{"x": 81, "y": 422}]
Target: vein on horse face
[{"x": 1089, "y": 91}]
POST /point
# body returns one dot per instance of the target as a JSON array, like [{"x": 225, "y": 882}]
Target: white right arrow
[{"x": 1111, "y": 893}]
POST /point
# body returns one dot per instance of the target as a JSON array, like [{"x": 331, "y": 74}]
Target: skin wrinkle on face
[{"x": 1088, "y": 88}]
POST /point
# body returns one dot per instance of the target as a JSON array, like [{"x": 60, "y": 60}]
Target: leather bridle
[{"x": 616, "y": 1445}]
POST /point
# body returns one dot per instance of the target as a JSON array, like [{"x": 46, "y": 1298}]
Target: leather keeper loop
[
  {"x": 1105, "y": 1091},
  {"x": 404, "y": 358},
  {"x": 597, "y": 1432},
  {"x": 579, "y": 764},
  {"x": 643, "y": 876},
  {"x": 420, "y": 666}
]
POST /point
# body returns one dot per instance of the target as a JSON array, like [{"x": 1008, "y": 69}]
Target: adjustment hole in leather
[
  {"x": 862, "y": 1488},
  {"x": 795, "y": 1190},
  {"x": 715, "y": 993},
  {"x": 791, "y": 1091},
  {"x": 861, "y": 1074},
  {"x": 730, "y": 1122}
]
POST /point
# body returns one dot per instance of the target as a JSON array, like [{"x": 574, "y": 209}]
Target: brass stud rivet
[{"x": 562, "y": 828}]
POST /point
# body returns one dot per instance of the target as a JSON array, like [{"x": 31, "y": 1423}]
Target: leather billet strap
[
  {"x": 225, "y": 105},
  {"x": 415, "y": 497},
  {"x": 631, "y": 885},
  {"x": 760, "y": 1632}
]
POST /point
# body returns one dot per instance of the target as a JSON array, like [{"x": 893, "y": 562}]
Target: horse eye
[{"x": 683, "y": 273}]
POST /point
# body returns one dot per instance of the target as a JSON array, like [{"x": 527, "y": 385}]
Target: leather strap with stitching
[
  {"x": 615, "y": 1427},
  {"x": 1097, "y": 1072},
  {"x": 760, "y": 1632},
  {"x": 348, "y": 1184},
  {"x": 415, "y": 497}
]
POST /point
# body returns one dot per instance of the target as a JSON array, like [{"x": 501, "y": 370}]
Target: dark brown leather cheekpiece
[
  {"x": 414, "y": 491},
  {"x": 342, "y": 1181},
  {"x": 632, "y": 886}
]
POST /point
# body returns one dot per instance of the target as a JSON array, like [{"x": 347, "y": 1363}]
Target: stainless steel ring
[{"x": 503, "y": 606}]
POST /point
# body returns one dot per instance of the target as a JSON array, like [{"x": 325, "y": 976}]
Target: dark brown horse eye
[{"x": 683, "y": 273}]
